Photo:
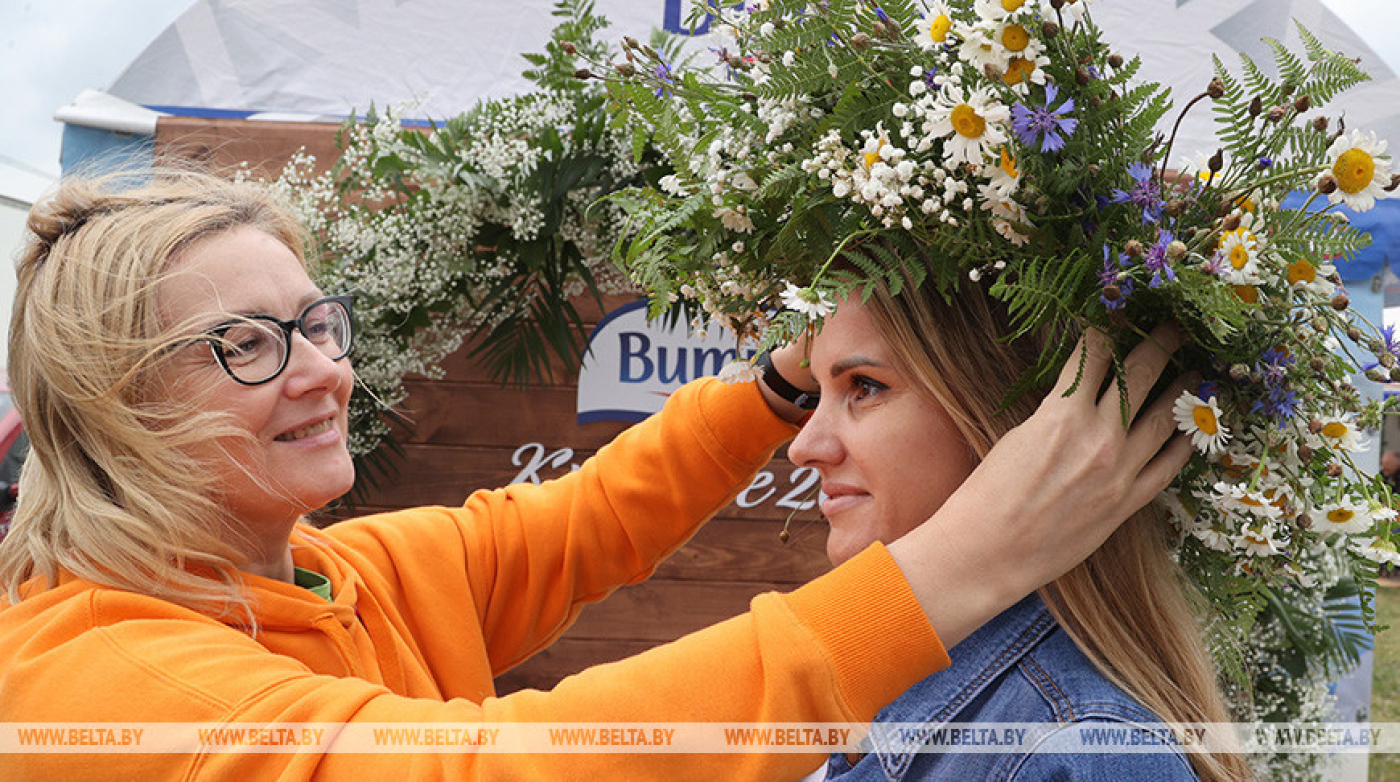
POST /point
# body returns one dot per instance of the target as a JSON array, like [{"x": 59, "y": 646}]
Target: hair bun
[{"x": 72, "y": 205}]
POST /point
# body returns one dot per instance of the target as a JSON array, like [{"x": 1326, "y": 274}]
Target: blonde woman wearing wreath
[
  {"x": 911, "y": 389},
  {"x": 184, "y": 384}
]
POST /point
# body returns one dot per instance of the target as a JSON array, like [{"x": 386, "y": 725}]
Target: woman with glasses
[{"x": 185, "y": 384}]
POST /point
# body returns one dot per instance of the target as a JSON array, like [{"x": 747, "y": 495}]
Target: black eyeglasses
[{"x": 254, "y": 349}]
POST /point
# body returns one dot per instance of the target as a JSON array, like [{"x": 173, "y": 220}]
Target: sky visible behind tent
[{"x": 50, "y": 50}]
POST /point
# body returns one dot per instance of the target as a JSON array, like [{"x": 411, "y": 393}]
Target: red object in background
[{"x": 13, "y": 446}]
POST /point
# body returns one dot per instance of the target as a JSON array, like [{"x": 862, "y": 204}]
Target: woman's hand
[{"x": 1050, "y": 492}]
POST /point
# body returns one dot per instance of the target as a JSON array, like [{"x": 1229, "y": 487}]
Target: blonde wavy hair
[
  {"x": 1128, "y": 607},
  {"x": 111, "y": 492}
]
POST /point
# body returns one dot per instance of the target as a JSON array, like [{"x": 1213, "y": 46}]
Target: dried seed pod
[
  {"x": 1340, "y": 302},
  {"x": 1231, "y": 222},
  {"x": 1256, "y": 106},
  {"x": 1326, "y": 184},
  {"x": 1216, "y": 89},
  {"x": 1115, "y": 60},
  {"x": 1320, "y": 124},
  {"x": 1133, "y": 248},
  {"x": 1302, "y": 103}
]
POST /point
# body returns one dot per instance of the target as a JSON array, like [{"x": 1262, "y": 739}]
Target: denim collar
[{"x": 978, "y": 661}]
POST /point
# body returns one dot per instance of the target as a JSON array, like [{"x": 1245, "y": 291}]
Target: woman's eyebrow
[{"x": 852, "y": 362}]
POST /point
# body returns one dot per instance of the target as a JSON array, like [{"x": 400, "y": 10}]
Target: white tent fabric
[{"x": 335, "y": 57}]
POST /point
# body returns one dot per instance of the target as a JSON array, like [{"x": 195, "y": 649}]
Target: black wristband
[{"x": 780, "y": 386}]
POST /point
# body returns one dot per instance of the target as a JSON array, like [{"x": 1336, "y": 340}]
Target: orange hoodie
[{"x": 429, "y": 604}]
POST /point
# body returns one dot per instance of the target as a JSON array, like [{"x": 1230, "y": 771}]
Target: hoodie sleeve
[{"x": 529, "y": 557}]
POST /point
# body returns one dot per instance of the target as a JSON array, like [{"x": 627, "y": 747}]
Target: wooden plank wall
[{"x": 469, "y": 432}]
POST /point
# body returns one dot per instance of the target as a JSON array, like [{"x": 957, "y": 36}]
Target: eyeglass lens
[{"x": 255, "y": 348}]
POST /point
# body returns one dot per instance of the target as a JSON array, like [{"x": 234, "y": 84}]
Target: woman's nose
[
  {"x": 310, "y": 369},
  {"x": 816, "y": 444}
]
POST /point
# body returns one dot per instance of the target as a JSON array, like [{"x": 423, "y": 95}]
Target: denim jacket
[{"x": 1018, "y": 668}]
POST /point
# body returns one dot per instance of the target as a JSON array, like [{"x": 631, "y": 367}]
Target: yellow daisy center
[
  {"x": 1339, "y": 515},
  {"x": 1015, "y": 38},
  {"x": 871, "y": 158},
  {"x": 1008, "y": 163},
  {"x": 1247, "y": 293},
  {"x": 1205, "y": 419},
  {"x": 1239, "y": 256},
  {"x": 967, "y": 121},
  {"x": 1018, "y": 70},
  {"x": 1334, "y": 429},
  {"x": 1011, "y": 5},
  {"x": 1301, "y": 271},
  {"x": 939, "y": 27},
  {"x": 1354, "y": 170}
]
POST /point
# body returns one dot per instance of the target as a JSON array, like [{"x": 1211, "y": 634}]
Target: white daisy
[
  {"x": 1237, "y": 498},
  {"x": 1201, "y": 419},
  {"x": 1004, "y": 177},
  {"x": 1302, "y": 275},
  {"x": 1016, "y": 41},
  {"x": 1241, "y": 257},
  {"x": 973, "y": 124},
  {"x": 1305, "y": 580},
  {"x": 808, "y": 301},
  {"x": 1214, "y": 539},
  {"x": 935, "y": 25},
  {"x": 1336, "y": 432},
  {"x": 1361, "y": 174},
  {"x": 980, "y": 49},
  {"x": 1347, "y": 516},
  {"x": 996, "y": 10},
  {"x": 1377, "y": 550},
  {"x": 1023, "y": 70},
  {"x": 1258, "y": 542},
  {"x": 740, "y": 371}
]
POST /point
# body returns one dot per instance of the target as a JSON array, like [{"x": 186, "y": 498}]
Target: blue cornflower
[
  {"x": 1207, "y": 390},
  {"x": 1392, "y": 346},
  {"x": 1273, "y": 364},
  {"x": 1046, "y": 121},
  {"x": 1143, "y": 195},
  {"x": 1115, "y": 291},
  {"x": 1279, "y": 401},
  {"x": 931, "y": 71},
  {"x": 662, "y": 71},
  {"x": 1155, "y": 260}
]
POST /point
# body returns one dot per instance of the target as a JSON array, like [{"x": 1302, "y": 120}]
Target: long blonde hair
[
  {"x": 110, "y": 491},
  {"x": 1127, "y": 606}
]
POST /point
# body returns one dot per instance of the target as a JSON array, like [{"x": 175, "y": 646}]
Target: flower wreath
[{"x": 845, "y": 135}]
